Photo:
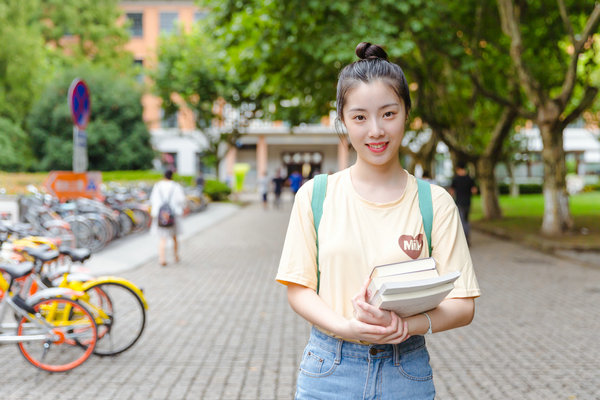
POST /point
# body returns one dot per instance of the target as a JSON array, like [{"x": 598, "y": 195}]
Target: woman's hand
[
  {"x": 374, "y": 325},
  {"x": 367, "y": 313}
]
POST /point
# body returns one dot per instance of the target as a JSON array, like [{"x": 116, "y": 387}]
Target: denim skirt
[{"x": 336, "y": 369}]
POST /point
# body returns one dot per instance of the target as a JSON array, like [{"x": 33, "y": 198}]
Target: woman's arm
[
  {"x": 311, "y": 307},
  {"x": 450, "y": 314}
]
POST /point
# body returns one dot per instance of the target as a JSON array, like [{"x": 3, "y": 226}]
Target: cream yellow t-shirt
[{"x": 356, "y": 234}]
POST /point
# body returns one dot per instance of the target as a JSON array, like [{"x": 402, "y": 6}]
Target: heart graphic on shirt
[{"x": 411, "y": 245}]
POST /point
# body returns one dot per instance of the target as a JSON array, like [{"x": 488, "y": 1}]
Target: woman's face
[{"x": 375, "y": 118}]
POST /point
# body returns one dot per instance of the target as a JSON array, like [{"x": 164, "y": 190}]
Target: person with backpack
[
  {"x": 167, "y": 201},
  {"x": 372, "y": 213}
]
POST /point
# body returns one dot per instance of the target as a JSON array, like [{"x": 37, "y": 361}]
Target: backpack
[
  {"x": 166, "y": 216},
  {"x": 318, "y": 197}
]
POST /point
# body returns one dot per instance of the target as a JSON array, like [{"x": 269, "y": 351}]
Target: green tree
[
  {"x": 22, "y": 62},
  {"x": 559, "y": 89},
  {"x": 85, "y": 30},
  {"x": 117, "y": 135},
  {"x": 449, "y": 38},
  {"x": 293, "y": 58},
  {"x": 191, "y": 73},
  {"x": 15, "y": 152}
]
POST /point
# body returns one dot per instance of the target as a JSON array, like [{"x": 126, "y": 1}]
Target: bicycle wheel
[
  {"x": 142, "y": 220},
  {"x": 71, "y": 340},
  {"x": 120, "y": 316}
]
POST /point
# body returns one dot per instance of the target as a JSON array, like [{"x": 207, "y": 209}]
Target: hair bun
[{"x": 366, "y": 50}]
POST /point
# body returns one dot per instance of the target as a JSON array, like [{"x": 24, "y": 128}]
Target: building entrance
[{"x": 308, "y": 164}]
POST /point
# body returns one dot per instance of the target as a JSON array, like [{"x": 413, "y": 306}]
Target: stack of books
[{"x": 409, "y": 287}]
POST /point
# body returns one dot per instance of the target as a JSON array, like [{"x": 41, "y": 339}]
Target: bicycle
[
  {"x": 54, "y": 332},
  {"x": 103, "y": 296}
]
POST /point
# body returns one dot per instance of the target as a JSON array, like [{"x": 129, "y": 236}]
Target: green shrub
[
  {"x": 216, "y": 190},
  {"x": 127, "y": 176},
  {"x": 524, "y": 188},
  {"x": 530, "y": 188},
  {"x": 185, "y": 180},
  {"x": 592, "y": 188}
]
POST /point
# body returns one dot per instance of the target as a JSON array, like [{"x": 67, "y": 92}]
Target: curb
[
  {"x": 582, "y": 254},
  {"x": 132, "y": 252}
]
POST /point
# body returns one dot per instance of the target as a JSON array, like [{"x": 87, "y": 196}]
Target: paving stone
[{"x": 219, "y": 327}]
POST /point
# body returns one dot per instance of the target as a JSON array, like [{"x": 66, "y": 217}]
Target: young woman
[
  {"x": 167, "y": 190},
  {"x": 355, "y": 350}
]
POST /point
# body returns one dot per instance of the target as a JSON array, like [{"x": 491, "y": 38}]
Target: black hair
[
  {"x": 461, "y": 165},
  {"x": 373, "y": 65},
  {"x": 169, "y": 174}
]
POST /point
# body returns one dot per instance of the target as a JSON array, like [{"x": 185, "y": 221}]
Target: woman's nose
[{"x": 375, "y": 130}]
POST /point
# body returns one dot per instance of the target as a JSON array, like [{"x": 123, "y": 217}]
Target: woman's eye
[
  {"x": 388, "y": 114},
  {"x": 359, "y": 117}
]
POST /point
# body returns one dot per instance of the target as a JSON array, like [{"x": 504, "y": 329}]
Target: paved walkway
[{"x": 219, "y": 327}]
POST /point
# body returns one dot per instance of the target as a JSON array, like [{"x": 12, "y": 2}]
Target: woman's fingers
[
  {"x": 361, "y": 295},
  {"x": 395, "y": 332},
  {"x": 372, "y": 315}
]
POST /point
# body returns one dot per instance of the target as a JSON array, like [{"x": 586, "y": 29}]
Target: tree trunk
[
  {"x": 488, "y": 188},
  {"x": 557, "y": 216},
  {"x": 514, "y": 188}
]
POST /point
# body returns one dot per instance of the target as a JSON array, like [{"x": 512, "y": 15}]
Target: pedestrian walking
[
  {"x": 278, "y": 182},
  {"x": 370, "y": 211},
  {"x": 263, "y": 187},
  {"x": 167, "y": 197},
  {"x": 200, "y": 183},
  {"x": 295, "y": 181},
  {"x": 462, "y": 188}
]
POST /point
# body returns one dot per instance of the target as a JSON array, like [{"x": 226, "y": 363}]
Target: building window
[
  {"x": 138, "y": 64},
  {"x": 168, "y": 122},
  {"x": 168, "y": 21},
  {"x": 136, "y": 28}
]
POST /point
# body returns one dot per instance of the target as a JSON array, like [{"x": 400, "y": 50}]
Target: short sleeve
[
  {"x": 298, "y": 258},
  {"x": 450, "y": 249}
]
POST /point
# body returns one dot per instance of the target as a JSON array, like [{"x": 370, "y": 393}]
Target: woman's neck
[{"x": 380, "y": 184}]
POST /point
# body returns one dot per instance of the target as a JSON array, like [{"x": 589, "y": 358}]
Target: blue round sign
[{"x": 79, "y": 103}]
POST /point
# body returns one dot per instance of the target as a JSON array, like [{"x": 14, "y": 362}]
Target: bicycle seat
[
  {"x": 17, "y": 270},
  {"x": 76, "y": 255},
  {"x": 43, "y": 255}
]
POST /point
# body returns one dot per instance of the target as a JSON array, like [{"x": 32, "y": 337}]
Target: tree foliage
[
  {"x": 41, "y": 42},
  {"x": 22, "y": 55},
  {"x": 85, "y": 30},
  {"x": 192, "y": 73},
  {"x": 15, "y": 151},
  {"x": 117, "y": 137}
]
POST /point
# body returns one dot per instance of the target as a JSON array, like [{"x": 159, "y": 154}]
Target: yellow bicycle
[{"x": 118, "y": 306}]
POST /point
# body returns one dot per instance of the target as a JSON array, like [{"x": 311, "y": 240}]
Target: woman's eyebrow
[{"x": 381, "y": 108}]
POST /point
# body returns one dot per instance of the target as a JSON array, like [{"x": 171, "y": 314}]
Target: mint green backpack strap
[
  {"x": 426, "y": 207},
  {"x": 318, "y": 197}
]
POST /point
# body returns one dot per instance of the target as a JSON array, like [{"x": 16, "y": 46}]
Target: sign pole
[{"x": 79, "y": 103}]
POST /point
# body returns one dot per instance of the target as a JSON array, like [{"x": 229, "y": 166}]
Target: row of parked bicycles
[
  {"x": 51, "y": 307},
  {"x": 91, "y": 223},
  {"x": 61, "y": 314}
]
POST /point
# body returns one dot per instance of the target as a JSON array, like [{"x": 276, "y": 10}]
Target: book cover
[
  {"x": 422, "y": 268},
  {"x": 403, "y": 267},
  {"x": 413, "y": 297}
]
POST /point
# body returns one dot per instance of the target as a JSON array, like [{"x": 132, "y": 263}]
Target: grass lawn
[{"x": 523, "y": 219}]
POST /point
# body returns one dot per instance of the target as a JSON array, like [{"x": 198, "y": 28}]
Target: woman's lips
[{"x": 377, "y": 147}]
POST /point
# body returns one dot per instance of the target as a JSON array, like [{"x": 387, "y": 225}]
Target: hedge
[
  {"x": 216, "y": 190},
  {"x": 525, "y": 188}
]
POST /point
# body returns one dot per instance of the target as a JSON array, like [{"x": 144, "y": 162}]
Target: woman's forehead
[{"x": 369, "y": 95}]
